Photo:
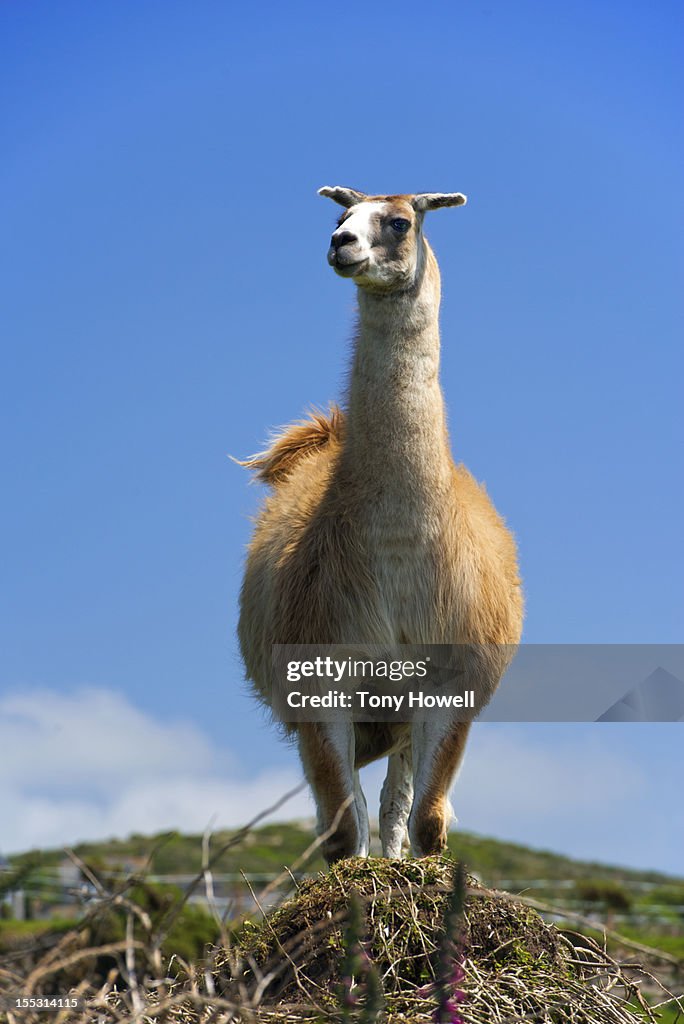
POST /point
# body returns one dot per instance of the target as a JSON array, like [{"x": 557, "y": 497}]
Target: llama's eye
[{"x": 400, "y": 225}]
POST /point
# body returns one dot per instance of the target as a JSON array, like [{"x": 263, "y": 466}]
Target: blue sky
[{"x": 166, "y": 301}]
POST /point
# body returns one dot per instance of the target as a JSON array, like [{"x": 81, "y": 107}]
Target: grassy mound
[{"x": 516, "y": 967}]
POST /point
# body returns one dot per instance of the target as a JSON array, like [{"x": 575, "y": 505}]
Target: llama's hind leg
[
  {"x": 438, "y": 747},
  {"x": 327, "y": 753},
  {"x": 395, "y": 803}
]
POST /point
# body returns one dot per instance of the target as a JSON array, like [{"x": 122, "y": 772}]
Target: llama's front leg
[
  {"x": 395, "y": 802},
  {"x": 438, "y": 748},
  {"x": 327, "y": 753},
  {"x": 362, "y": 811}
]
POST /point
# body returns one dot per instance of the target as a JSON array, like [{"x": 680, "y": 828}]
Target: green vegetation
[
  {"x": 16, "y": 933},
  {"x": 494, "y": 860},
  {"x": 270, "y": 848},
  {"x": 193, "y": 929},
  {"x": 266, "y": 850},
  {"x": 658, "y": 939}
]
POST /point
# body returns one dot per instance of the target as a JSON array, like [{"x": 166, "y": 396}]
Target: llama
[{"x": 372, "y": 535}]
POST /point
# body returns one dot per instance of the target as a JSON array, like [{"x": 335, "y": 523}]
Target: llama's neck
[{"x": 396, "y": 442}]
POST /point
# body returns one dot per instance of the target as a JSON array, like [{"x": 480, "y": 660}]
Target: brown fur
[
  {"x": 372, "y": 535},
  {"x": 432, "y": 819},
  {"x": 327, "y": 780},
  {"x": 300, "y": 439}
]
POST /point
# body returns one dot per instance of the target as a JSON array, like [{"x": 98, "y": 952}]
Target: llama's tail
[{"x": 294, "y": 442}]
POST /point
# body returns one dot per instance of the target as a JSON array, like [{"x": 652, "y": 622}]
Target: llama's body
[{"x": 373, "y": 536}]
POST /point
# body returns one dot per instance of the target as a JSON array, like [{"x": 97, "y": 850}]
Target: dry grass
[{"x": 285, "y": 966}]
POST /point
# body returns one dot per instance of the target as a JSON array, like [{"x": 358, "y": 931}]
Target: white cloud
[
  {"x": 81, "y": 739},
  {"x": 515, "y": 772},
  {"x": 87, "y": 765}
]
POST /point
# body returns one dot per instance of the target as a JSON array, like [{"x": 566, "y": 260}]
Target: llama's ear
[
  {"x": 434, "y": 200},
  {"x": 344, "y": 196}
]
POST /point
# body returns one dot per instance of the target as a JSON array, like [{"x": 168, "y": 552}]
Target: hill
[{"x": 269, "y": 849}]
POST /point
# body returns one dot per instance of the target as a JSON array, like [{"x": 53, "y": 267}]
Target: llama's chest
[{"x": 405, "y": 567}]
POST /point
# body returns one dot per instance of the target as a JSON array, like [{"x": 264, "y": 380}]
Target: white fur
[
  {"x": 360, "y": 222},
  {"x": 362, "y": 815},
  {"x": 395, "y": 803}
]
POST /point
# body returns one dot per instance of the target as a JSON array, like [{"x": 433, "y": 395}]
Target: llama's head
[{"x": 379, "y": 239}]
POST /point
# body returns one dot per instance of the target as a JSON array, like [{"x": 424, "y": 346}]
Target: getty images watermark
[
  {"x": 374, "y": 673},
  {"x": 539, "y": 682}
]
